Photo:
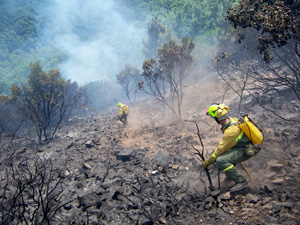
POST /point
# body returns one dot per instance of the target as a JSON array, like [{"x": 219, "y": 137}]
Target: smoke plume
[{"x": 96, "y": 38}]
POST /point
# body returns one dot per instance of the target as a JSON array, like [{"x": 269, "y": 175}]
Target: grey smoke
[{"x": 97, "y": 39}]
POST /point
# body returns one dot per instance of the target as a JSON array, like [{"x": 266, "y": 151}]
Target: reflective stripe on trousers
[
  {"x": 228, "y": 168},
  {"x": 237, "y": 139}
]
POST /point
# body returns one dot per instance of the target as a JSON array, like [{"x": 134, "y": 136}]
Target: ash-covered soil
[{"x": 150, "y": 173}]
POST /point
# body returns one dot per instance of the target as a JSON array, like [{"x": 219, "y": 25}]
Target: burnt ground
[{"x": 149, "y": 173}]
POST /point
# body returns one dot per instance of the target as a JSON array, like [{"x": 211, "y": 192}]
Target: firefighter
[
  {"x": 124, "y": 110},
  {"x": 235, "y": 147}
]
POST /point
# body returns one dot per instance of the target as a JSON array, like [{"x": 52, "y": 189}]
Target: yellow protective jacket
[
  {"x": 232, "y": 135},
  {"x": 123, "y": 109}
]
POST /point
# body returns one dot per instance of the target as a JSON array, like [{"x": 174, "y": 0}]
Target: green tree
[
  {"x": 184, "y": 17},
  {"x": 276, "y": 21},
  {"x": 154, "y": 83},
  {"x": 165, "y": 79},
  {"x": 19, "y": 27},
  {"x": 46, "y": 100},
  {"x": 158, "y": 34},
  {"x": 128, "y": 79},
  {"x": 273, "y": 29},
  {"x": 21, "y": 23},
  {"x": 260, "y": 54}
]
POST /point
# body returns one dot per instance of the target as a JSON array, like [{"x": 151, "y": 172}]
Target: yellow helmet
[
  {"x": 218, "y": 110},
  {"x": 119, "y": 104}
]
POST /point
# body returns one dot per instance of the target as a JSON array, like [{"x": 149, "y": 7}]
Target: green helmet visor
[{"x": 212, "y": 111}]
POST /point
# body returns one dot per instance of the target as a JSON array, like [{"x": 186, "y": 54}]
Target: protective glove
[{"x": 209, "y": 161}]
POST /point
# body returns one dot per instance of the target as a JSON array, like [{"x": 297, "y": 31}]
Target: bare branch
[{"x": 201, "y": 154}]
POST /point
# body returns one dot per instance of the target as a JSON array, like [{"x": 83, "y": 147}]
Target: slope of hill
[{"x": 148, "y": 173}]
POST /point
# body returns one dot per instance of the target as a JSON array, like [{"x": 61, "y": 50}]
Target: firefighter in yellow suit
[
  {"x": 234, "y": 147},
  {"x": 124, "y": 110}
]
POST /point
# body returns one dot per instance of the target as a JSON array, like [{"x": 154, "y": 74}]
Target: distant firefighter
[{"x": 124, "y": 110}]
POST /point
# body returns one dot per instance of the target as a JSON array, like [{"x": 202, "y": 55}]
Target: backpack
[
  {"x": 125, "y": 109},
  {"x": 251, "y": 130}
]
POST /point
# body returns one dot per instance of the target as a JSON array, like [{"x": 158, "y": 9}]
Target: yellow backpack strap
[{"x": 241, "y": 134}]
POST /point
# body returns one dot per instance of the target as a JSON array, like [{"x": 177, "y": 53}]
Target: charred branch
[{"x": 201, "y": 153}]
